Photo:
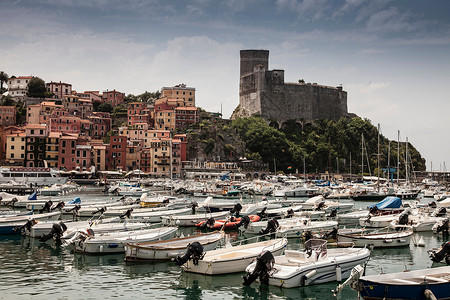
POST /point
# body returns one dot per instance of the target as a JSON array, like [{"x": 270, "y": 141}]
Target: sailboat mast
[
  {"x": 362, "y": 156},
  {"x": 406, "y": 162},
  {"x": 378, "y": 159},
  {"x": 398, "y": 156}
]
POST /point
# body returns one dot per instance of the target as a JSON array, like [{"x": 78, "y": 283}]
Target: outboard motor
[
  {"x": 333, "y": 213},
  {"x": 209, "y": 223},
  {"x": 290, "y": 213},
  {"x": 373, "y": 210},
  {"x": 320, "y": 205},
  {"x": 126, "y": 214},
  {"x": 236, "y": 209},
  {"x": 47, "y": 207},
  {"x": 432, "y": 204},
  {"x": 100, "y": 211},
  {"x": 75, "y": 209},
  {"x": 331, "y": 234},
  {"x": 57, "y": 231},
  {"x": 105, "y": 189},
  {"x": 440, "y": 212},
  {"x": 13, "y": 201},
  {"x": 307, "y": 235},
  {"x": 263, "y": 213},
  {"x": 60, "y": 206},
  {"x": 264, "y": 264},
  {"x": 194, "y": 206},
  {"x": 245, "y": 221},
  {"x": 442, "y": 253},
  {"x": 444, "y": 227},
  {"x": 194, "y": 252},
  {"x": 272, "y": 227},
  {"x": 27, "y": 226}
]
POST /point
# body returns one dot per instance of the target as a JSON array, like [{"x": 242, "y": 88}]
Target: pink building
[
  {"x": 91, "y": 95},
  {"x": 185, "y": 116},
  {"x": 138, "y": 113},
  {"x": 65, "y": 124},
  {"x": 59, "y": 89},
  {"x": 113, "y": 97},
  {"x": 75, "y": 153},
  {"x": 101, "y": 124},
  {"x": 117, "y": 152},
  {"x": 8, "y": 115}
]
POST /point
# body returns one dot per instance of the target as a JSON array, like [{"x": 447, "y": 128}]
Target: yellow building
[
  {"x": 52, "y": 149},
  {"x": 99, "y": 157},
  {"x": 15, "y": 148},
  {"x": 165, "y": 120},
  {"x": 180, "y": 91}
]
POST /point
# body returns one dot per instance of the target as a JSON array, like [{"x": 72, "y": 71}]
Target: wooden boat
[
  {"x": 231, "y": 223},
  {"x": 418, "y": 284},
  {"x": 168, "y": 249},
  {"x": 13, "y": 224},
  {"x": 234, "y": 258},
  {"x": 383, "y": 238},
  {"x": 316, "y": 264},
  {"x": 191, "y": 220},
  {"x": 114, "y": 242}
]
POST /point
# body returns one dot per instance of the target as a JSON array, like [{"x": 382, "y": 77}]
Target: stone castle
[{"x": 264, "y": 92}]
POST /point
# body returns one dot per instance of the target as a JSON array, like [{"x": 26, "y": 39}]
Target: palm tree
[{"x": 3, "y": 78}]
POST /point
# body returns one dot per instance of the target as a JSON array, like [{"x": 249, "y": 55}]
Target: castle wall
[{"x": 265, "y": 93}]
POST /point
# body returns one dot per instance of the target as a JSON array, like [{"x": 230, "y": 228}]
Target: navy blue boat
[{"x": 419, "y": 284}]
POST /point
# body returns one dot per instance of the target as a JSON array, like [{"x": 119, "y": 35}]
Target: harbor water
[{"x": 30, "y": 269}]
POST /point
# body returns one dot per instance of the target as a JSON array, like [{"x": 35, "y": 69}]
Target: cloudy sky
[{"x": 392, "y": 57}]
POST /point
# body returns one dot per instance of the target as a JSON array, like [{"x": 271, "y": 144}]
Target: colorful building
[
  {"x": 8, "y": 115},
  {"x": 15, "y": 149},
  {"x": 36, "y": 140},
  {"x": 113, "y": 97},
  {"x": 59, "y": 89},
  {"x": 18, "y": 86},
  {"x": 180, "y": 91}
]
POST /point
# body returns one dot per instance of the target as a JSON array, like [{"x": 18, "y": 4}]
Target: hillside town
[{"x": 66, "y": 133}]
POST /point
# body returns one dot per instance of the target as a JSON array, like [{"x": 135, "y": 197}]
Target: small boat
[
  {"x": 320, "y": 203},
  {"x": 191, "y": 220},
  {"x": 168, "y": 249},
  {"x": 156, "y": 201},
  {"x": 114, "y": 242},
  {"x": 231, "y": 223},
  {"x": 226, "y": 260},
  {"x": 419, "y": 284},
  {"x": 13, "y": 224},
  {"x": 316, "y": 264},
  {"x": 297, "y": 227},
  {"x": 383, "y": 238},
  {"x": 156, "y": 216}
]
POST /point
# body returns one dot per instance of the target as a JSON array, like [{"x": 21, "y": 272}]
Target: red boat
[{"x": 230, "y": 223}]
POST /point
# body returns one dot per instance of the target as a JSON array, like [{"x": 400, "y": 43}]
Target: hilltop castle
[{"x": 264, "y": 92}]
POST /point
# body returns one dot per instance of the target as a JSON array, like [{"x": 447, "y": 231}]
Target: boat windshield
[{"x": 316, "y": 245}]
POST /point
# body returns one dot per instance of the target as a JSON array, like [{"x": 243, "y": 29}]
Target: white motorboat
[
  {"x": 156, "y": 216},
  {"x": 35, "y": 176},
  {"x": 168, "y": 249},
  {"x": 113, "y": 242},
  {"x": 295, "y": 228},
  {"x": 320, "y": 203},
  {"x": 383, "y": 238},
  {"x": 13, "y": 224},
  {"x": 316, "y": 264},
  {"x": 230, "y": 259},
  {"x": 162, "y": 200},
  {"x": 191, "y": 220}
]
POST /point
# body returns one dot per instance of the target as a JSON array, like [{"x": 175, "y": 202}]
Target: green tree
[
  {"x": 3, "y": 79},
  {"x": 105, "y": 107},
  {"x": 36, "y": 88},
  {"x": 7, "y": 101}
]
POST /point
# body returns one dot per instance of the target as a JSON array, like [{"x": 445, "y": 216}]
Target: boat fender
[
  {"x": 308, "y": 275},
  {"x": 100, "y": 249},
  {"x": 429, "y": 295},
  {"x": 338, "y": 273}
]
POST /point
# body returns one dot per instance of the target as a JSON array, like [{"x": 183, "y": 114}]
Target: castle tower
[{"x": 252, "y": 58}]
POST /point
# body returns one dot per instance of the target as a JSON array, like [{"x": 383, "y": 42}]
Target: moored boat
[{"x": 168, "y": 249}]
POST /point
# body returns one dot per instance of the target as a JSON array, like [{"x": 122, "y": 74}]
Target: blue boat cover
[
  {"x": 76, "y": 200},
  {"x": 32, "y": 196},
  {"x": 388, "y": 202}
]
